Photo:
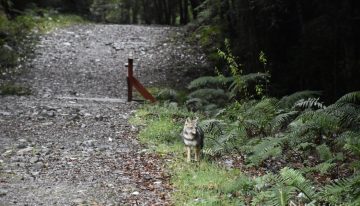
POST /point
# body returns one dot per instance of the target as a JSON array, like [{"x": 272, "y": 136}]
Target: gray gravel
[{"x": 70, "y": 142}]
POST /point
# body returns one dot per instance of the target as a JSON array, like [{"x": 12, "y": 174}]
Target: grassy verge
[
  {"x": 203, "y": 183},
  {"x": 280, "y": 154}
]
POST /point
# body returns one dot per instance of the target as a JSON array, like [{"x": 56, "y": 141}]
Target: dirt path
[{"x": 64, "y": 145}]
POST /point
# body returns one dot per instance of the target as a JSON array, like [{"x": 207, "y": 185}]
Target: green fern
[
  {"x": 352, "y": 140},
  {"x": 352, "y": 97},
  {"x": 289, "y": 101},
  {"x": 209, "y": 82},
  {"x": 264, "y": 149},
  {"x": 285, "y": 187},
  {"x": 281, "y": 121},
  {"x": 295, "y": 179},
  {"x": 195, "y": 104},
  {"x": 219, "y": 145},
  {"x": 311, "y": 125},
  {"x": 341, "y": 192},
  {"x": 349, "y": 114},
  {"x": 242, "y": 184},
  {"x": 324, "y": 152},
  {"x": 213, "y": 126},
  {"x": 282, "y": 196},
  {"x": 167, "y": 94},
  {"x": 257, "y": 117},
  {"x": 324, "y": 167},
  {"x": 213, "y": 151},
  {"x": 241, "y": 84},
  {"x": 210, "y": 95},
  {"x": 262, "y": 198},
  {"x": 310, "y": 103},
  {"x": 254, "y": 77}
]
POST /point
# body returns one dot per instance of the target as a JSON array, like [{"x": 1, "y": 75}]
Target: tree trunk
[
  {"x": 194, "y": 5},
  {"x": 181, "y": 11},
  {"x": 186, "y": 13}
]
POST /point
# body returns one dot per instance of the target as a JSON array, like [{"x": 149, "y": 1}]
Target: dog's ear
[{"x": 187, "y": 120}]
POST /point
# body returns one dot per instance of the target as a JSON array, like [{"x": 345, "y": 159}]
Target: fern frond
[
  {"x": 282, "y": 196},
  {"x": 220, "y": 144},
  {"x": 213, "y": 151},
  {"x": 319, "y": 122},
  {"x": 349, "y": 114},
  {"x": 310, "y": 103},
  {"x": 324, "y": 152},
  {"x": 284, "y": 188},
  {"x": 253, "y": 77},
  {"x": 213, "y": 126},
  {"x": 241, "y": 82},
  {"x": 352, "y": 97},
  {"x": 238, "y": 85},
  {"x": 324, "y": 167},
  {"x": 338, "y": 192},
  {"x": 209, "y": 94},
  {"x": 209, "y": 81},
  {"x": 282, "y": 120},
  {"x": 352, "y": 140},
  {"x": 289, "y": 101},
  {"x": 268, "y": 147},
  {"x": 194, "y": 104},
  {"x": 167, "y": 94},
  {"x": 295, "y": 179}
]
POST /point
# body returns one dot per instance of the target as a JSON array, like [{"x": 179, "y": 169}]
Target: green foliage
[
  {"x": 288, "y": 186},
  {"x": 324, "y": 152},
  {"x": 241, "y": 186},
  {"x": 162, "y": 130},
  {"x": 205, "y": 184},
  {"x": 14, "y": 89},
  {"x": 352, "y": 142},
  {"x": 210, "y": 95},
  {"x": 208, "y": 35},
  {"x": 18, "y": 36},
  {"x": 310, "y": 103},
  {"x": 167, "y": 95},
  {"x": 242, "y": 85},
  {"x": 209, "y": 81},
  {"x": 161, "y": 122},
  {"x": 324, "y": 167},
  {"x": 272, "y": 135},
  {"x": 290, "y": 100},
  {"x": 264, "y": 149},
  {"x": 267, "y": 133},
  {"x": 295, "y": 179},
  {"x": 282, "y": 120},
  {"x": 342, "y": 192},
  {"x": 352, "y": 97}
]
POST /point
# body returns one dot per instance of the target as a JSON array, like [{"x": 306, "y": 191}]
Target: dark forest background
[{"x": 309, "y": 44}]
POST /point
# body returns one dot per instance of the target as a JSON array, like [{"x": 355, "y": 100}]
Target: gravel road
[{"x": 70, "y": 143}]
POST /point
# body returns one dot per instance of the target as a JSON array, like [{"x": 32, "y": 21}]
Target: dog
[{"x": 193, "y": 137}]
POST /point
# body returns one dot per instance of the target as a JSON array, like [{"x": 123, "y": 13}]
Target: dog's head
[{"x": 190, "y": 125}]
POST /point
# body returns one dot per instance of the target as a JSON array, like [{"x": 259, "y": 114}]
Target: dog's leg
[
  {"x": 188, "y": 149},
  {"x": 197, "y": 153}
]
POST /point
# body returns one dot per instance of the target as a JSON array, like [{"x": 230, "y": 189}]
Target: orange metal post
[
  {"x": 129, "y": 79},
  {"x": 133, "y": 82}
]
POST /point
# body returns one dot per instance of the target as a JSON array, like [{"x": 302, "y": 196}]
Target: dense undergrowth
[
  {"x": 259, "y": 150},
  {"x": 17, "y": 38}
]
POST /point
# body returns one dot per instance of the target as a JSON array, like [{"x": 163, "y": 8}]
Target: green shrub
[{"x": 14, "y": 89}]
